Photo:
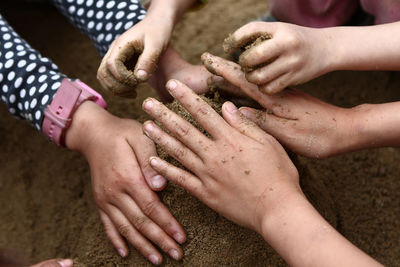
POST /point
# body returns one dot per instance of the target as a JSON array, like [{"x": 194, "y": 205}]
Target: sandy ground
[{"x": 46, "y": 202}]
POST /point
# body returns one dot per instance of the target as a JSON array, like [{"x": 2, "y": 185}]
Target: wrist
[
  {"x": 85, "y": 124},
  {"x": 274, "y": 219},
  {"x": 333, "y": 50}
]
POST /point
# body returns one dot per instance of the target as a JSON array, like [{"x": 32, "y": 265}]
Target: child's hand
[
  {"x": 303, "y": 123},
  {"x": 54, "y": 263},
  {"x": 245, "y": 174},
  {"x": 293, "y": 54},
  {"x": 119, "y": 72},
  {"x": 118, "y": 152},
  {"x": 228, "y": 175}
]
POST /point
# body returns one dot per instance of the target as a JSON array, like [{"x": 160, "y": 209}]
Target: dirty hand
[
  {"x": 303, "y": 123},
  {"x": 284, "y": 54},
  {"x": 118, "y": 152},
  {"x": 227, "y": 174},
  {"x": 55, "y": 263},
  {"x": 119, "y": 72},
  {"x": 245, "y": 174}
]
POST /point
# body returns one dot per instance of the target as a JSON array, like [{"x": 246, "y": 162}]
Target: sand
[{"x": 45, "y": 192}]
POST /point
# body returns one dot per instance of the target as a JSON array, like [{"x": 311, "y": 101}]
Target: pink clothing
[{"x": 328, "y": 13}]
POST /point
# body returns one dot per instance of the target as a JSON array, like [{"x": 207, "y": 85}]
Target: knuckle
[
  {"x": 125, "y": 230},
  {"x": 140, "y": 222},
  {"x": 181, "y": 180},
  {"x": 182, "y": 131},
  {"x": 150, "y": 208},
  {"x": 179, "y": 152}
]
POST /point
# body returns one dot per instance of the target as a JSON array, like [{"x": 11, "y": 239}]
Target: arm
[
  {"x": 226, "y": 175},
  {"x": 29, "y": 83},
  {"x": 309, "y": 126},
  {"x": 288, "y": 54}
]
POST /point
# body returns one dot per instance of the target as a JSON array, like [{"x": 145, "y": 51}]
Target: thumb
[
  {"x": 144, "y": 149},
  {"x": 246, "y": 127},
  {"x": 147, "y": 61}
]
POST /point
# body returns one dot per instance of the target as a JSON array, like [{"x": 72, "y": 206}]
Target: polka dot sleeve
[
  {"x": 28, "y": 81},
  {"x": 102, "y": 20}
]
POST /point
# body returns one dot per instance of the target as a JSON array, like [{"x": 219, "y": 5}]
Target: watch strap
[{"x": 57, "y": 115}]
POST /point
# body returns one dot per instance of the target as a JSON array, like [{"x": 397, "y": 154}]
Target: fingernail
[
  {"x": 245, "y": 112},
  {"x": 66, "y": 263},
  {"x": 158, "y": 181},
  {"x": 179, "y": 238},
  {"x": 148, "y": 104},
  {"x": 154, "y": 161},
  {"x": 141, "y": 74},
  {"x": 122, "y": 253},
  {"x": 149, "y": 127},
  {"x": 154, "y": 259},
  {"x": 171, "y": 85},
  {"x": 231, "y": 108},
  {"x": 174, "y": 254}
]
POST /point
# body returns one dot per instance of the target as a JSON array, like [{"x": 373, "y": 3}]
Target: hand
[
  {"x": 303, "y": 123},
  {"x": 227, "y": 174},
  {"x": 118, "y": 152},
  {"x": 173, "y": 66},
  {"x": 119, "y": 72},
  {"x": 54, "y": 263},
  {"x": 245, "y": 174},
  {"x": 291, "y": 55}
]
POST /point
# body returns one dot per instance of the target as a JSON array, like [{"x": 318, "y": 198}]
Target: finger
[
  {"x": 178, "y": 176},
  {"x": 225, "y": 86},
  {"x": 113, "y": 234},
  {"x": 267, "y": 73},
  {"x": 277, "y": 127},
  {"x": 55, "y": 263},
  {"x": 260, "y": 54},
  {"x": 108, "y": 82},
  {"x": 241, "y": 123},
  {"x": 147, "y": 61},
  {"x": 174, "y": 147},
  {"x": 202, "y": 112},
  {"x": 180, "y": 128},
  {"x": 123, "y": 58},
  {"x": 276, "y": 85},
  {"x": 144, "y": 220},
  {"x": 149, "y": 202},
  {"x": 147, "y": 149},
  {"x": 134, "y": 237},
  {"x": 231, "y": 72},
  {"x": 247, "y": 34}
]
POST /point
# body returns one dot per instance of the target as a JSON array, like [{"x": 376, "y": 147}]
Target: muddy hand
[
  {"x": 132, "y": 57},
  {"x": 55, "y": 263},
  {"x": 301, "y": 122},
  {"x": 277, "y": 55},
  {"x": 226, "y": 175}
]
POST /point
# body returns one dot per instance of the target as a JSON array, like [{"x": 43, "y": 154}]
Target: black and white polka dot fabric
[
  {"x": 102, "y": 20},
  {"x": 28, "y": 81}
]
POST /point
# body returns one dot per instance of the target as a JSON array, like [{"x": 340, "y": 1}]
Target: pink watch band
[{"x": 57, "y": 116}]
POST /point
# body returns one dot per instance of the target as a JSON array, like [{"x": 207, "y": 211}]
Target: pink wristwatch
[{"x": 57, "y": 116}]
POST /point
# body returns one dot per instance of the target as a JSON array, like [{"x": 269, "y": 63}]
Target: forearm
[
  {"x": 174, "y": 8},
  {"x": 28, "y": 81},
  {"x": 376, "y": 125},
  {"x": 363, "y": 48},
  {"x": 303, "y": 238},
  {"x": 102, "y": 21}
]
